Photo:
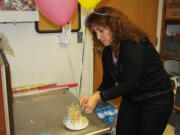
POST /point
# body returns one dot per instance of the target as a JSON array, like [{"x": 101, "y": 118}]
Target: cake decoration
[{"x": 74, "y": 120}]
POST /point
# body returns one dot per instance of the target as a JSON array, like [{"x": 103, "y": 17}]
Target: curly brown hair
[{"x": 121, "y": 27}]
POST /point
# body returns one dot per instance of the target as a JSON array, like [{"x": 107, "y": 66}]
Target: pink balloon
[{"x": 59, "y": 11}]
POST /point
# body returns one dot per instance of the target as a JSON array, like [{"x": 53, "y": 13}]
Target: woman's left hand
[{"x": 88, "y": 103}]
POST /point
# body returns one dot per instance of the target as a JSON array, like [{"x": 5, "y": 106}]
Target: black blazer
[{"x": 141, "y": 72}]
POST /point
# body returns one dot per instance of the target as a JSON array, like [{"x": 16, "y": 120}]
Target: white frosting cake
[
  {"x": 76, "y": 125},
  {"x": 74, "y": 120}
]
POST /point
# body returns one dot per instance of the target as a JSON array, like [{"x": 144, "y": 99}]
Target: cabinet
[{"x": 170, "y": 39}]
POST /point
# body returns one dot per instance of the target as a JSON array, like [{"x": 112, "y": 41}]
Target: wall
[{"x": 41, "y": 58}]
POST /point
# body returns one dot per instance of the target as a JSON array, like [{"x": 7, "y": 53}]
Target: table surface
[{"x": 43, "y": 112}]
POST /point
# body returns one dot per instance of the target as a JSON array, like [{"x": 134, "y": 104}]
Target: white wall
[{"x": 40, "y": 58}]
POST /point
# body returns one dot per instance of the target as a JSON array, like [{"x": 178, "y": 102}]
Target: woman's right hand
[{"x": 88, "y": 103}]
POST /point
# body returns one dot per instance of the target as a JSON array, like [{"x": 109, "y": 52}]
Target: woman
[{"x": 130, "y": 59}]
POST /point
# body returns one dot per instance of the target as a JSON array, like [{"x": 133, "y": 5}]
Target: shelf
[
  {"x": 170, "y": 58},
  {"x": 172, "y": 21},
  {"x": 170, "y": 16},
  {"x": 177, "y": 108},
  {"x": 172, "y": 3},
  {"x": 173, "y": 6}
]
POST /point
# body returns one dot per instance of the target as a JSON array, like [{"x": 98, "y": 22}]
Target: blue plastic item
[{"x": 107, "y": 112}]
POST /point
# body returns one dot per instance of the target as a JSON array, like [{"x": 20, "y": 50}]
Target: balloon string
[
  {"x": 82, "y": 60},
  {"x": 68, "y": 52}
]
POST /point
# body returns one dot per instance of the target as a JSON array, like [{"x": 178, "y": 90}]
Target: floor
[{"x": 169, "y": 130}]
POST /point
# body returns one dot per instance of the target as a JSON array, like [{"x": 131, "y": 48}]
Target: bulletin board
[{"x": 45, "y": 25}]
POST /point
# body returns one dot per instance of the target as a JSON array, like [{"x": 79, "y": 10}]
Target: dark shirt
[{"x": 140, "y": 70}]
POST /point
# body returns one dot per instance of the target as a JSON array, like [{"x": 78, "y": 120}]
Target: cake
[{"x": 74, "y": 120}]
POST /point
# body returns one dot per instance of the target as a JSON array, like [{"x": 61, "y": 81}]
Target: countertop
[{"x": 43, "y": 112}]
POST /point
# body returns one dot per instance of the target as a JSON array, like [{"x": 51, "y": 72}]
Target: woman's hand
[{"x": 88, "y": 103}]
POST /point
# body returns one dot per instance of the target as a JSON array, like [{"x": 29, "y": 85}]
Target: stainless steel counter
[{"x": 44, "y": 112}]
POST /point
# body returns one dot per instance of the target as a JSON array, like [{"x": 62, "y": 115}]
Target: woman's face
[{"x": 103, "y": 34}]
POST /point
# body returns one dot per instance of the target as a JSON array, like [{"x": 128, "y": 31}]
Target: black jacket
[{"x": 141, "y": 72}]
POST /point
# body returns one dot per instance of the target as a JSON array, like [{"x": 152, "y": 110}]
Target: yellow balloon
[{"x": 89, "y": 3}]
